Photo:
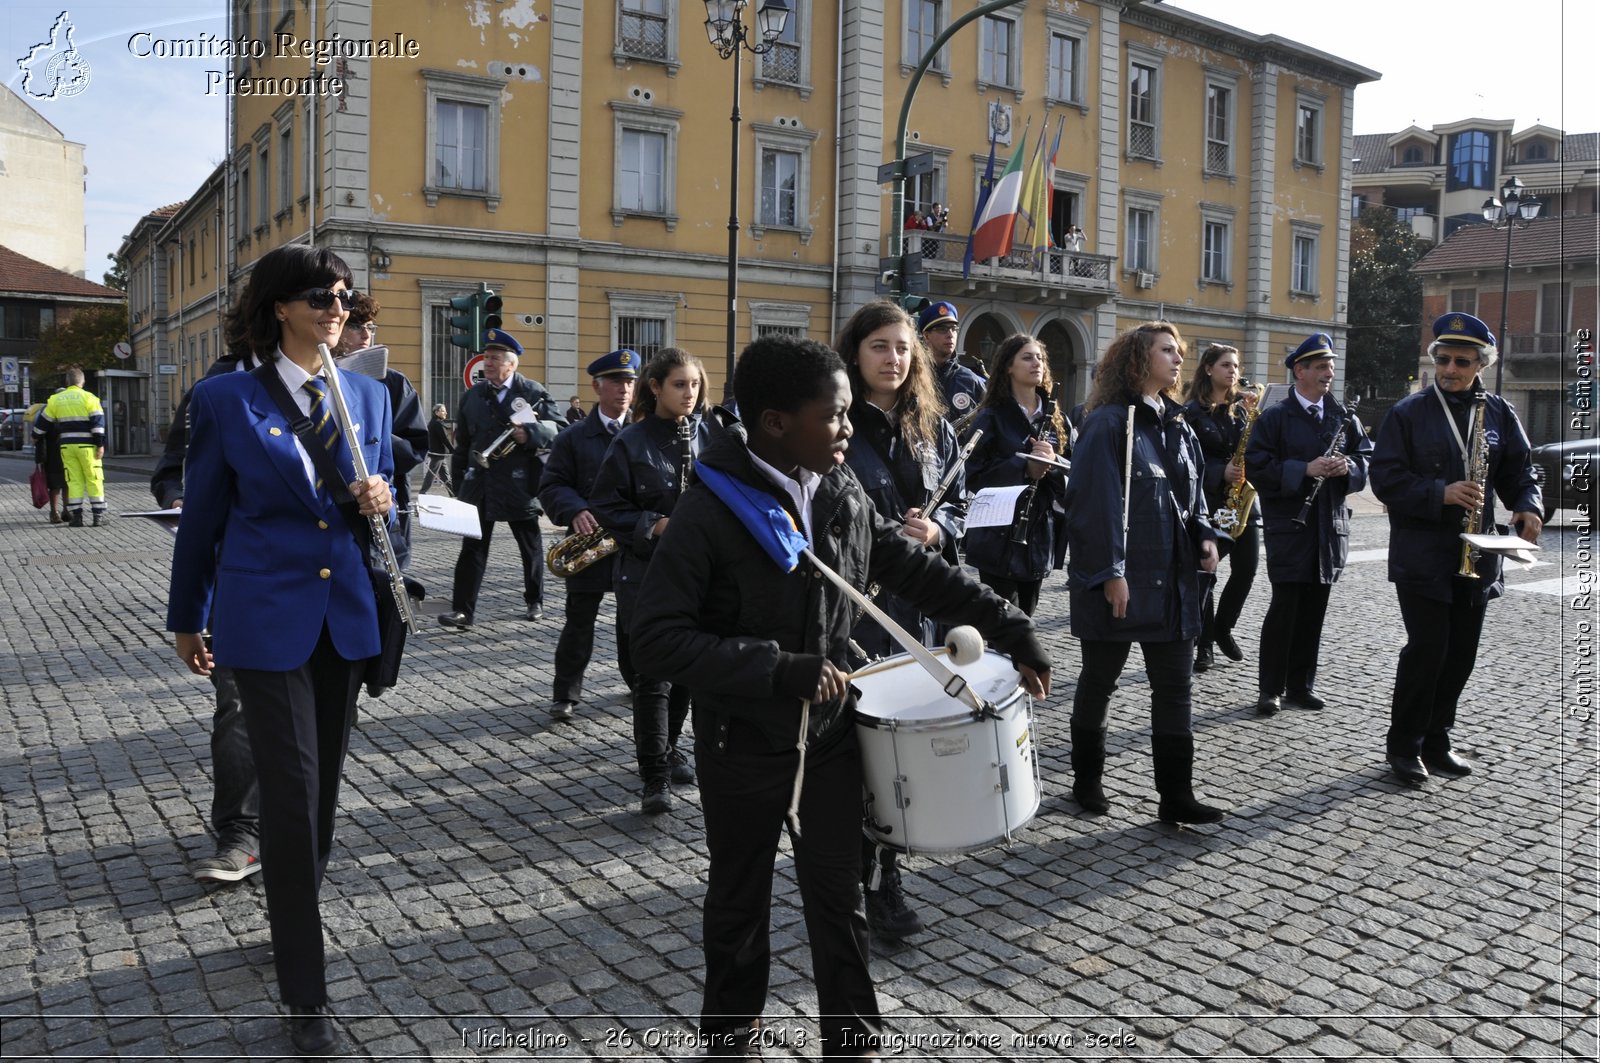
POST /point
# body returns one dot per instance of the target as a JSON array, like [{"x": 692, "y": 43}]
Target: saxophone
[
  {"x": 1478, "y": 473},
  {"x": 1234, "y": 512},
  {"x": 577, "y": 552}
]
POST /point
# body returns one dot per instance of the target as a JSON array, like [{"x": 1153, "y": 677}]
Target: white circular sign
[{"x": 123, "y": 350}]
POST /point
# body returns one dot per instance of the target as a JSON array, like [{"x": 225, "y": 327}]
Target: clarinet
[
  {"x": 1335, "y": 450},
  {"x": 1024, "y": 517},
  {"x": 685, "y": 453}
]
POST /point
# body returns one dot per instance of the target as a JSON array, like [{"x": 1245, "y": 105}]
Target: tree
[
  {"x": 84, "y": 339},
  {"x": 1385, "y": 305},
  {"x": 117, "y": 276}
]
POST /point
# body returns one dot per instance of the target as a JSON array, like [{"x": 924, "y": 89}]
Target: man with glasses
[
  {"x": 1291, "y": 454},
  {"x": 1421, "y": 473},
  {"x": 502, "y": 481},
  {"x": 962, "y": 388}
]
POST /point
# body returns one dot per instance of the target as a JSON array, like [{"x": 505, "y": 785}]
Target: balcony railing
[
  {"x": 1535, "y": 344},
  {"x": 782, "y": 64},
  {"x": 942, "y": 254},
  {"x": 643, "y": 34},
  {"x": 1141, "y": 140}
]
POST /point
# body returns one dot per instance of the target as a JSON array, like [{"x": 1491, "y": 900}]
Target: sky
[{"x": 152, "y": 133}]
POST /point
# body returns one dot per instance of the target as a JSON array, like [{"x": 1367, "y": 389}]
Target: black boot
[
  {"x": 1088, "y": 765},
  {"x": 888, "y": 914},
  {"x": 1174, "y": 766}
]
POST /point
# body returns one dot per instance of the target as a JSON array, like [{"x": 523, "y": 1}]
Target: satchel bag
[{"x": 41, "y": 490}]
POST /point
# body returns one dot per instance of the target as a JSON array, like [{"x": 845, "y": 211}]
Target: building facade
[
  {"x": 576, "y": 158},
  {"x": 41, "y": 187}
]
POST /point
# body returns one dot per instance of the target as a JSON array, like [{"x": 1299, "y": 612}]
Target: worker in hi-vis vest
[{"x": 80, "y": 425}]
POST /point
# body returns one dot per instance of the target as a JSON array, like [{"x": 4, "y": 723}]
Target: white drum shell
[{"x": 937, "y": 780}]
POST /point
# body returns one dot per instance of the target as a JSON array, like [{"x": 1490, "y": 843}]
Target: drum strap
[{"x": 800, "y": 768}]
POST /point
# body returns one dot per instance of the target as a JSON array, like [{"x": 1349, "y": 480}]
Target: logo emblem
[
  {"x": 1456, "y": 324},
  {"x": 55, "y": 69},
  {"x": 961, "y": 400},
  {"x": 627, "y": 358}
]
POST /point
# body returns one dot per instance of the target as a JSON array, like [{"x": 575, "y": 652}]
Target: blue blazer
[{"x": 261, "y": 557}]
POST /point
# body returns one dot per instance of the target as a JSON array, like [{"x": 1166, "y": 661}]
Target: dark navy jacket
[
  {"x": 1006, "y": 432},
  {"x": 962, "y": 388},
  {"x": 898, "y": 477},
  {"x": 1160, "y": 557},
  {"x": 1218, "y": 430},
  {"x": 570, "y": 471},
  {"x": 638, "y": 485},
  {"x": 1286, "y": 439},
  {"x": 1416, "y": 458},
  {"x": 509, "y": 488}
]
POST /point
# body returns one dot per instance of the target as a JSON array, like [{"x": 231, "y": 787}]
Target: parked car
[
  {"x": 15, "y": 431},
  {"x": 1568, "y": 474}
]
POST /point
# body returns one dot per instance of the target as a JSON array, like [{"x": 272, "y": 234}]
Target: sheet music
[
  {"x": 167, "y": 518},
  {"x": 994, "y": 507},
  {"x": 450, "y": 515}
]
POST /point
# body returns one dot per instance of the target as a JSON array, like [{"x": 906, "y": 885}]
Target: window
[
  {"x": 645, "y": 178},
  {"x": 1536, "y": 151},
  {"x": 1141, "y": 227},
  {"x": 785, "y": 63},
  {"x": 242, "y": 208},
  {"x": 645, "y": 29},
  {"x": 1308, "y": 132},
  {"x": 780, "y": 181},
  {"x": 1219, "y": 126},
  {"x": 1406, "y": 214},
  {"x": 443, "y": 380},
  {"x": 1303, "y": 260},
  {"x": 997, "y": 53},
  {"x": 644, "y": 335},
  {"x": 1413, "y": 156},
  {"x": 1063, "y": 61},
  {"x": 779, "y": 319},
  {"x": 1469, "y": 161},
  {"x": 925, "y": 20},
  {"x": 285, "y": 168},
  {"x": 1464, "y": 300},
  {"x": 1357, "y": 205},
  {"x": 783, "y": 189},
  {"x": 463, "y": 149},
  {"x": 263, "y": 189},
  {"x": 191, "y": 260},
  {"x": 1144, "y": 104},
  {"x": 642, "y": 321},
  {"x": 1215, "y": 252},
  {"x": 1552, "y": 321}
]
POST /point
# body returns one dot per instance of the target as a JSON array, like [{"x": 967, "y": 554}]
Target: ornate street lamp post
[
  {"x": 1511, "y": 212},
  {"x": 726, "y": 29}
]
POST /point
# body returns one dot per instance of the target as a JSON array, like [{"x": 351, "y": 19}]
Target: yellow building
[{"x": 576, "y": 158}]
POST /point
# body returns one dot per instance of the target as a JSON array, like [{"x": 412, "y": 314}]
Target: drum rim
[
  {"x": 1000, "y": 841},
  {"x": 939, "y": 723}
]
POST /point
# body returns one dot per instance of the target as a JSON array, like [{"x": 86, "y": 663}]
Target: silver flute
[{"x": 380, "y": 530}]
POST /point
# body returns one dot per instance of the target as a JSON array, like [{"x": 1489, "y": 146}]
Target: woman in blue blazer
[{"x": 268, "y": 562}]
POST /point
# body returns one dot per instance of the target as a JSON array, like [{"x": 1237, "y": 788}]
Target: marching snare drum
[{"x": 938, "y": 780}]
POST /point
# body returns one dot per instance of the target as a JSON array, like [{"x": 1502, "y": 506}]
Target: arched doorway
[
  {"x": 1064, "y": 362},
  {"x": 981, "y": 337}
]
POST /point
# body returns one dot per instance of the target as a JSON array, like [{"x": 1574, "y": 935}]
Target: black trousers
[
  {"x": 1221, "y": 611},
  {"x": 575, "y": 647},
  {"x": 1441, "y": 649},
  {"x": 474, "y": 560},
  {"x": 1291, "y": 638},
  {"x": 235, "y": 794},
  {"x": 1024, "y": 594},
  {"x": 744, "y": 791},
  {"x": 299, "y": 732},
  {"x": 1170, "y": 666},
  {"x": 659, "y": 709}
]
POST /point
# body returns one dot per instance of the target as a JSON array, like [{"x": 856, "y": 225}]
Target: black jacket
[
  {"x": 1285, "y": 440},
  {"x": 1160, "y": 557},
  {"x": 1416, "y": 457},
  {"x": 1218, "y": 429},
  {"x": 438, "y": 436},
  {"x": 962, "y": 388},
  {"x": 1006, "y": 433},
  {"x": 166, "y": 479},
  {"x": 638, "y": 485},
  {"x": 570, "y": 471},
  {"x": 509, "y": 488},
  {"x": 409, "y": 439},
  {"x": 718, "y": 616}
]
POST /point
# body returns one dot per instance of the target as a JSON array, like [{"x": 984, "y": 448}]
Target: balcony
[
  {"x": 1534, "y": 354},
  {"x": 1057, "y": 272}
]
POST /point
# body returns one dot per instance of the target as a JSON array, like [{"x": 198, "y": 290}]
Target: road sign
[
  {"x": 10, "y": 374},
  {"x": 123, "y": 350},
  {"x": 915, "y": 166},
  {"x": 474, "y": 369}
]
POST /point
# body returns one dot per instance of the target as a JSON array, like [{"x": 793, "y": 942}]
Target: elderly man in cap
[
  {"x": 502, "y": 481},
  {"x": 961, "y": 387},
  {"x": 1422, "y": 472},
  {"x": 1306, "y": 444},
  {"x": 569, "y": 474}
]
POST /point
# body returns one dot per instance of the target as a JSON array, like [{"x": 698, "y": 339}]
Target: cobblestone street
[{"x": 495, "y": 893}]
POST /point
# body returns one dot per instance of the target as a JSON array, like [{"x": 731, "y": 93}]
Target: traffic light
[
  {"x": 471, "y": 314},
  {"x": 913, "y": 304}
]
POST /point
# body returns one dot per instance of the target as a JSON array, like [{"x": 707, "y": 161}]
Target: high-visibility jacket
[{"x": 77, "y": 416}]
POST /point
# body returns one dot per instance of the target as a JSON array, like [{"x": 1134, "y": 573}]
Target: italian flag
[{"x": 991, "y": 238}]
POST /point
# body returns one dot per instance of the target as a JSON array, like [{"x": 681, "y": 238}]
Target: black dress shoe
[
  {"x": 1230, "y": 649},
  {"x": 1304, "y": 699},
  {"x": 1408, "y": 770},
  {"x": 1446, "y": 761},
  {"x": 1268, "y": 705},
  {"x": 456, "y": 619},
  {"x": 311, "y": 1030},
  {"x": 535, "y": 612},
  {"x": 1203, "y": 659}
]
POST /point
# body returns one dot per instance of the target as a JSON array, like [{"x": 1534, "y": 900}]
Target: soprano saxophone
[{"x": 1478, "y": 473}]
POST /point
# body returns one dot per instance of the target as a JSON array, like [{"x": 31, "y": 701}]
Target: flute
[
  {"x": 1127, "y": 480},
  {"x": 380, "y": 530}
]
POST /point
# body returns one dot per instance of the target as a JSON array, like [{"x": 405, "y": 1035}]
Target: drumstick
[{"x": 952, "y": 684}]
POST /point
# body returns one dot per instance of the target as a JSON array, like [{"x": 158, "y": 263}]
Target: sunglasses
[
  {"x": 322, "y": 298},
  {"x": 1460, "y": 362}
]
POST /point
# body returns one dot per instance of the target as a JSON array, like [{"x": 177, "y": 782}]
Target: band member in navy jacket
[
  {"x": 266, "y": 558},
  {"x": 902, "y": 450},
  {"x": 1290, "y": 449},
  {"x": 1018, "y": 416},
  {"x": 564, "y": 491},
  {"x": 1420, "y": 473},
  {"x": 1137, "y": 579}
]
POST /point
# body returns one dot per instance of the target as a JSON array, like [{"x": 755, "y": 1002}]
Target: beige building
[
  {"x": 576, "y": 158},
  {"x": 41, "y": 187}
]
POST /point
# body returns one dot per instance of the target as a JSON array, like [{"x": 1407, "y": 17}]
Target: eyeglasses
[
  {"x": 947, "y": 326},
  {"x": 369, "y": 328},
  {"x": 1460, "y": 362},
  {"x": 322, "y": 298}
]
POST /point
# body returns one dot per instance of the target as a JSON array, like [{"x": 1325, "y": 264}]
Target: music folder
[
  {"x": 451, "y": 515},
  {"x": 1514, "y": 548}
]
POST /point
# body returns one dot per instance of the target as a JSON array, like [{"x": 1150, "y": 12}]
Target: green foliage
[
  {"x": 117, "y": 276},
  {"x": 1385, "y": 305},
  {"x": 85, "y": 339}
]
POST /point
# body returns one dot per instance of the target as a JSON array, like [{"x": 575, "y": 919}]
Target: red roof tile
[
  {"x": 19, "y": 273},
  {"x": 1545, "y": 242}
]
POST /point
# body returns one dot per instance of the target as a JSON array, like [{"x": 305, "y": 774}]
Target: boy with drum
[{"x": 762, "y": 650}]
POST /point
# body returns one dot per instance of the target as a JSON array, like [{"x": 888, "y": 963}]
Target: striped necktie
[{"x": 322, "y": 419}]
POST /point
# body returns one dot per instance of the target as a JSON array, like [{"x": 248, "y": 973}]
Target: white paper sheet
[
  {"x": 452, "y": 515},
  {"x": 994, "y": 507},
  {"x": 167, "y": 518}
]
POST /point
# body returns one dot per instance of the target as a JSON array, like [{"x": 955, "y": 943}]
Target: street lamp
[
  {"x": 1510, "y": 212},
  {"x": 726, "y": 29}
]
